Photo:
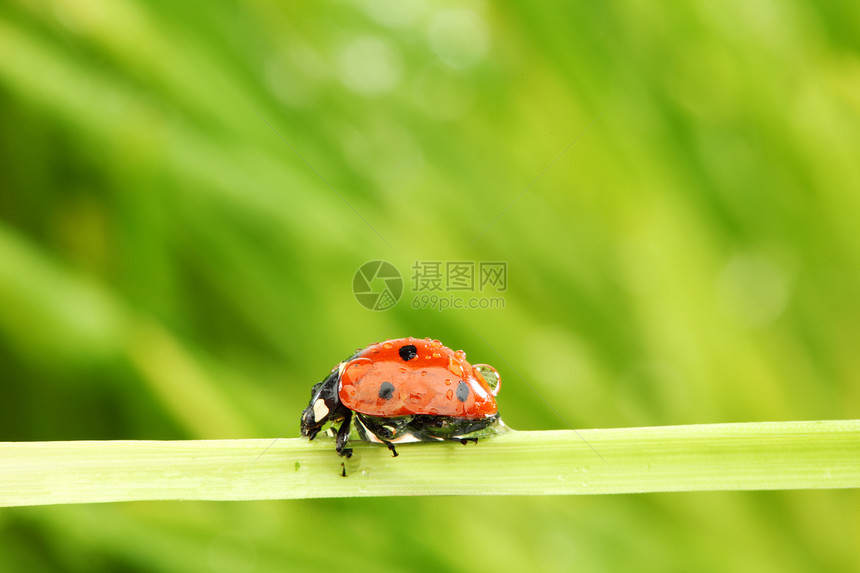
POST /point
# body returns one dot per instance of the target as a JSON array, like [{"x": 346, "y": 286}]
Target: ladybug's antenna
[
  {"x": 550, "y": 406},
  {"x": 269, "y": 447}
]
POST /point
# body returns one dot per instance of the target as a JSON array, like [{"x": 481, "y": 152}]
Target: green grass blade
[{"x": 768, "y": 455}]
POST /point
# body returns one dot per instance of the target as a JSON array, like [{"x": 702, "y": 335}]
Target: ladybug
[{"x": 405, "y": 390}]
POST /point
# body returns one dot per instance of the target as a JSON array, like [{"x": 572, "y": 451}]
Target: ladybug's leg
[
  {"x": 429, "y": 428},
  {"x": 384, "y": 429},
  {"x": 343, "y": 435},
  {"x": 391, "y": 447}
]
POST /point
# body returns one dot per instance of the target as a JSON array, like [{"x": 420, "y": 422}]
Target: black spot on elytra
[
  {"x": 408, "y": 352},
  {"x": 462, "y": 391},
  {"x": 386, "y": 390}
]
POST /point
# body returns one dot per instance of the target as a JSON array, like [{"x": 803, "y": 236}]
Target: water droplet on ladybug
[
  {"x": 455, "y": 368},
  {"x": 450, "y": 393},
  {"x": 460, "y": 355},
  {"x": 388, "y": 346},
  {"x": 489, "y": 376},
  {"x": 356, "y": 369}
]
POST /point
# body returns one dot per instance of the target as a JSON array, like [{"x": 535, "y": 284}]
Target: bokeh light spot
[
  {"x": 459, "y": 37},
  {"x": 368, "y": 66},
  {"x": 753, "y": 290}
]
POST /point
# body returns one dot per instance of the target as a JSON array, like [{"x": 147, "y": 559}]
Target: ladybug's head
[{"x": 324, "y": 406}]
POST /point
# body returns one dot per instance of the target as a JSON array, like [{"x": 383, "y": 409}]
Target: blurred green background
[{"x": 170, "y": 268}]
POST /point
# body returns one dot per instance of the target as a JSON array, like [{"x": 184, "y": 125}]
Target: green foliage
[{"x": 186, "y": 190}]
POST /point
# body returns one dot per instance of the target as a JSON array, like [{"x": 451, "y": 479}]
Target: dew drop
[
  {"x": 355, "y": 370},
  {"x": 455, "y": 368}
]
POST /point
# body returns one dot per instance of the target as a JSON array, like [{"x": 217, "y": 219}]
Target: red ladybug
[{"x": 405, "y": 390}]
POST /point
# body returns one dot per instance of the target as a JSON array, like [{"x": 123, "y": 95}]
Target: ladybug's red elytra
[{"x": 405, "y": 390}]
